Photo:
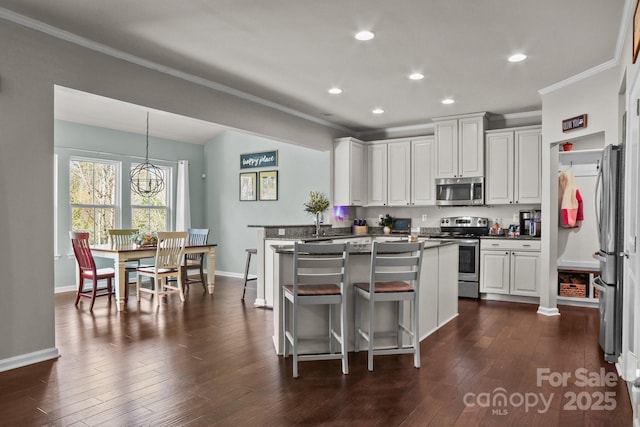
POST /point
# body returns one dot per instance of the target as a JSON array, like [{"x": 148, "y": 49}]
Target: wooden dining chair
[
  {"x": 122, "y": 237},
  {"x": 394, "y": 276},
  {"x": 168, "y": 263},
  {"x": 88, "y": 271},
  {"x": 196, "y": 236},
  {"x": 319, "y": 275}
]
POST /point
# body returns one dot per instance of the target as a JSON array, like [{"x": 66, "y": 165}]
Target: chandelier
[{"x": 146, "y": 179}]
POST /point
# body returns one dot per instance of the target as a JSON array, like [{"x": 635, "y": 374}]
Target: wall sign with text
[
  {"x": 574, "y": 123},
  {"x": 259, "y": 160}
]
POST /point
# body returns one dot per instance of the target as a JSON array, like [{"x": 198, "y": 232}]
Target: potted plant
[
  {"x": 317, "y": 204},
  {"x": 386, "y": 222}
]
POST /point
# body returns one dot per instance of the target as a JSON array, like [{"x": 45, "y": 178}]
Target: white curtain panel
[{"x": 183, "y": 210}]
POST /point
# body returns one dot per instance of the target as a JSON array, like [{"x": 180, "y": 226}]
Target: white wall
[{"x": 31, "y": 63}]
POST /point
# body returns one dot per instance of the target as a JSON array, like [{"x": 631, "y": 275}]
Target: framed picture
[
  {"x": 266, "y": 159},
  {"x": 636, "y": 32},
  {"x": 268, "y": 185},
  {"x": 248, "y": 186}
]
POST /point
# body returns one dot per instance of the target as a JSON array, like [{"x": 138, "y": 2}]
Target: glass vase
[{"x": 318, "y": 222}]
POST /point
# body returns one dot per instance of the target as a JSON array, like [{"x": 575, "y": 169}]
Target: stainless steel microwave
[{"x": 460, "y": 191}]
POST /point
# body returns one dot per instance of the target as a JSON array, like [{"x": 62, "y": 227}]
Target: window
[
  {"x": 93, "y": 188},
  {"x": 151, "y": 213}
]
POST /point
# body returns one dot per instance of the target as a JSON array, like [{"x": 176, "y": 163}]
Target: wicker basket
[
  {"x": 360, "y": 229},
  {"x": 573, "y": 283},
  {"x": 576, "y": 290}
]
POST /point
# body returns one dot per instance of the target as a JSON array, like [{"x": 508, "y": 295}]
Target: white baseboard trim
[
  {"x": 233, "y": 274},
  {"x": 547, "y": 311},
  {"x": 510, "y": 298},
  {"x": 73, "y": 288},
  {"x": 29, "y": 359},
  {"x": 260, "y": 302}
]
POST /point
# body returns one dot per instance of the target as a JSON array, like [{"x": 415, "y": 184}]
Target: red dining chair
[{"x": 88, "y": 270}]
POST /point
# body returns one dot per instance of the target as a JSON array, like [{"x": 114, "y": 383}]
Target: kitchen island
[{"x": 438, "y": 295}]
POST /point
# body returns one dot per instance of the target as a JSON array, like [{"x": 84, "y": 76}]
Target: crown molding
[
  {"x": 579, "y": 77},
  {"x": 430, "y": 127},
  {"x": 514, "y": 116},
  {"x": 106, "y": 50},
  {"x": 398, "y": 129}
]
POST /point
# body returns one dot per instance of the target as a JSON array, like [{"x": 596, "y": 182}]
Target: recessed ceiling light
[
  {"x": 517, "y": 57},
  {"x": 448, "y": 101},
  {"x": 416, "y": 76},
  {"x": 377, "y": 111},
  {"x": 364, "y": 35},
  {"x": 335, "y": 91}
]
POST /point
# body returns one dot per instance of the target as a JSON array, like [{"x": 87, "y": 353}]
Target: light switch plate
[{"x": 280, "y": 231}]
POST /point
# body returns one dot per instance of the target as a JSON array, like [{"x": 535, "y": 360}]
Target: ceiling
[{"x": 288, "y": 53}]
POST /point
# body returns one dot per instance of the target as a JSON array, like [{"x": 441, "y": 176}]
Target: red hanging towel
[{"x": 580, "y": 214}]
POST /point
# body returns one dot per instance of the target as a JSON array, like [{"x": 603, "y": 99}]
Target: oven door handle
[{"x": 468, "y": 241}]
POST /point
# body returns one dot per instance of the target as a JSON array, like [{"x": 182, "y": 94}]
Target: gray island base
[{"x": 438, "y": 295}]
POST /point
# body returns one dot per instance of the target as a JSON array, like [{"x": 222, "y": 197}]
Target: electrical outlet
[
  {"x": 280, "y": 231},
  {"x": 514, "y": 219},
  {"x": 424, "y": 217}
]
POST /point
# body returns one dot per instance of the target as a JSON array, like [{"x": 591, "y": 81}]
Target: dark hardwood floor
[{"x": 210, "y": 361}]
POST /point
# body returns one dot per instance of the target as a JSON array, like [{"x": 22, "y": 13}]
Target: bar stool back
[
  {"x": 394, "y": 276},
  {"x": 319, "y": 275}
]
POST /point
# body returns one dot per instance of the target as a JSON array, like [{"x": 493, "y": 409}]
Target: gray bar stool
[{"x": 246, "y": 270}]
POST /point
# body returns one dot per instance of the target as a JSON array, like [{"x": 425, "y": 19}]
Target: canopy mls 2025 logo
[{"x": 259, "y": 160}]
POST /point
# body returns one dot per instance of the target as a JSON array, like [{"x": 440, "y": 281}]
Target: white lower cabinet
[{"x": 510, "y": 267}]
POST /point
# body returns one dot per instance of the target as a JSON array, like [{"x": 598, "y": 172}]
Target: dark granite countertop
[{"x": 366, "y": 249}]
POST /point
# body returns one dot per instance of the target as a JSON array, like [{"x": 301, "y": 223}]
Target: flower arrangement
[
  {"x": 386, "y": 221},
  {"x": 317, "y": 203},
  {"x": 145, "y": 239}
]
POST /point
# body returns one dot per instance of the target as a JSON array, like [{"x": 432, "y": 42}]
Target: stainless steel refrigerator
[{"x": 609, "y": 219}]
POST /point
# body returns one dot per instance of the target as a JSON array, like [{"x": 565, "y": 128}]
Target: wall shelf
[{"x": 583, "y": 162}]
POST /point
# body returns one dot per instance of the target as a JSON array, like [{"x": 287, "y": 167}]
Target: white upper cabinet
[
  {"x": 528, "y": 166},
  {"x": 446, "y": 149},
  {"x": 348, "y": 172},
  {"x": 460, "y": 146},
  {"x": 499, "y": 179},
  {"x": 399, "y": 173},
  {"x": 423, "y": 161},
  {"x": 377, "y": 175},
  {"x": 514, "y": 166}
]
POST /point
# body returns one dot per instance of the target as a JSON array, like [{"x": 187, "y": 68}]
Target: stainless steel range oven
[{"x": 466, "y": 231}]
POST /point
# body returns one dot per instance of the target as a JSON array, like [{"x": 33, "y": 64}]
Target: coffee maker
[{"x": 530, "y": 222}]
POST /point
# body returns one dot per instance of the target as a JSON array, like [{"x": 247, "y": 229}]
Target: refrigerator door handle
[
  {"x": 598, "y": 286},
  {"x": 596, "y": 201},
  {"x": 597, "y": 256}
]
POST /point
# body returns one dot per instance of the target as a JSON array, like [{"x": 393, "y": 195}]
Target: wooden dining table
[{"x": 120, "y": 254}]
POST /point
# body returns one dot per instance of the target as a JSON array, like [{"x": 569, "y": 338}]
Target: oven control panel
[{"x": 464, "y": 221}]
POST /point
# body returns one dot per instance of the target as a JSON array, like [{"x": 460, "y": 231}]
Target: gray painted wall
[{"x": 31, "y": 63}]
